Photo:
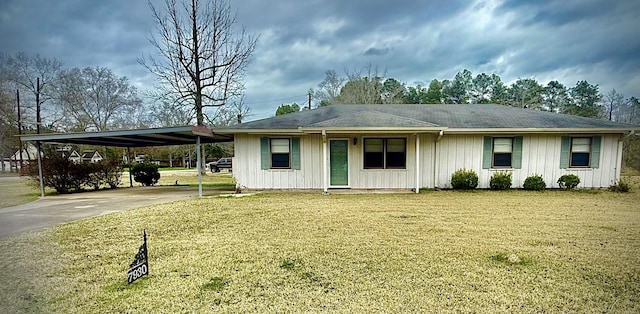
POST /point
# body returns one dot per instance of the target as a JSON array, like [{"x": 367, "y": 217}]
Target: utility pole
[
  {"x": 38, "y": 122},
  {"x": 309, "y": 100},
  {"x": 19, "y": 126}
]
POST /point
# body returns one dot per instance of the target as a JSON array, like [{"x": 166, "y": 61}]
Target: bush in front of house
[
  {"x": 534, "y": 183},
  {"x": 464, "y": 179},
  {"x": 621, "y": 186},
  {"x": 500, "y": 181},
  {"x": 568, "y": 181},
  {"x": 146, "y": 173}
]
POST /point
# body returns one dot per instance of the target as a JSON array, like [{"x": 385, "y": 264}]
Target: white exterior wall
[
  {"x": 361, "y": 178},
  {"x": 540, "y": 155},
  {"x": 246, "y": 165},
  {"x": 247, "y": 171}
]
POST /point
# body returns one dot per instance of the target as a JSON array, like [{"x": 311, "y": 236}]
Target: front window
[
  {"x": 385, "y": 153},
  {"x": 502, "y": 151},
  {"x": 280, "y": 153},
  {"x": 580, "y": 151}
]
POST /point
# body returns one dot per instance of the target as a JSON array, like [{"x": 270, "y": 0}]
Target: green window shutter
[
  {"x": 595, "y": 152},
  {"x": 295, "y": 153},
  {"x": 487, "y": 149},
  {"x": 565, "y": 151},
  {"x": 517, "y": 152},
  {"x": 265, "y": 157}
]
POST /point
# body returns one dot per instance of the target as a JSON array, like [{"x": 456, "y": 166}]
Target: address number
[{"x": 138, "y": 272}]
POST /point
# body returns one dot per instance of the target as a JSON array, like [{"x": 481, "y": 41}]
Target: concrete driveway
[{"x": 57, "y": 209}]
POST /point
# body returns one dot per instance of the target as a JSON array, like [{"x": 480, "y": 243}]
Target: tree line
[{"x": 369, "y": 86}]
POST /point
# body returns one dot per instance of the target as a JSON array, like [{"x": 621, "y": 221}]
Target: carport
[{"x": 182, "y": 135}]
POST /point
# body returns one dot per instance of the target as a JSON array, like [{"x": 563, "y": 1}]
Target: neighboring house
[
  {"x": 29, "y": 153},
  {"x": 73, "y": 156},
  {"x": 420, "y": 146},
  {"x": 91, "y": 156}
]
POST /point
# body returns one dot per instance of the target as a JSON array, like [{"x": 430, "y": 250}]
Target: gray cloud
[{"x": 414, "y": 41}]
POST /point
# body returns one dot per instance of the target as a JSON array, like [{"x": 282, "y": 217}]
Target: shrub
[
  {"x": 464, "y": 179},
  {"x": 146, "y": 173},
  {"x": 620, "y": 186},
  {"x": 534, "y": 183},
  {"x": 500, "y": 181},
  {"x": 108, "y": 172},
  {"x": 568, "y": 181},
  {"x": 65, "y": 176}
]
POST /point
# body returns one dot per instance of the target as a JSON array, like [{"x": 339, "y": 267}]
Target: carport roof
[{"x": 181, "y": 135}]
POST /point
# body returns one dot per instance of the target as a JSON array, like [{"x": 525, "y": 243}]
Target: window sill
[
  {"x": 579, "y": 169},
  {"x": 502, "y": 169}
]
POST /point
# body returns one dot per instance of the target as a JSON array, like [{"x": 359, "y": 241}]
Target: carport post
[
  {"x": 40, "y": 169},
  {"x": 198, "y": 156},
  {"x": 129, "y": 162}
]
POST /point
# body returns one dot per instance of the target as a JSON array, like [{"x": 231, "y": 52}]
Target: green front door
[{"x": 339, "y": 162}]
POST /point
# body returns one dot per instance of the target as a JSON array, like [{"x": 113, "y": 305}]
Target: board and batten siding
[
  {"x": 540, "y": 155},
  {"x": 248, "y": 173},
  {"x": 361, "y": 178},
  {"x": 247, "y": 167}
]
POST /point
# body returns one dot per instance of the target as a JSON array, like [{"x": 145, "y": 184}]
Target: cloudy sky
[{"x": 415, "y": 41}]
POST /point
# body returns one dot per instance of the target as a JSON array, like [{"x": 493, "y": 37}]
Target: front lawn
[
  {"x": 480, "y": 251},
  {"x": 17, "y": 190}
]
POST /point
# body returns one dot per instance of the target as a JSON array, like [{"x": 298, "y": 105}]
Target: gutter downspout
[
  {"x": 324, "y": 162},
  {"x": 435, "y": 159},
  {"x": 417, "y": 163}
]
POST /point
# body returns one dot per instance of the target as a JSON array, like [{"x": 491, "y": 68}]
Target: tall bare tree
[
  {"x": 95, "y": 98},
  {"x": 24, "y": 71},
  {"x": 202, "y": 56},
  {"x": 363, "y": 86},
  {"x": 329, "y": 89},
  {"x": 234, "y": 112},
  {"x": 613, "y": 103}
]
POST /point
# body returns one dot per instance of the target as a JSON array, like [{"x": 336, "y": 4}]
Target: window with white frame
[
  {"x": 502, "y": 152},
  {"x": 280, "y": 153},
  {"x": 580, "y": 152}
]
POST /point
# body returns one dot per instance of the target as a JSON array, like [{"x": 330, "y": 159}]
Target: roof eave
[
  {"x": 539, "y": 130},
  {"x": 373, "y": 129},
  {"x": 256, "y": 131}
]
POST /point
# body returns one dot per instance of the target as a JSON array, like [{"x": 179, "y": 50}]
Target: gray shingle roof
[{"x": 420, "y": 116}]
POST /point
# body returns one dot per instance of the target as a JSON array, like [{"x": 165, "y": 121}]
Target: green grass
[
  {"x": 172, "y": 168},
  {"x": 307, "y": 252},
  {"x": 16, "y": 192},
  {"x": 191, "y": 179},
  {"x": 219, "y": 179}
]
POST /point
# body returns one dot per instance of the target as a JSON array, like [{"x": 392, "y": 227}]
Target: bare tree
[
  {"x": 613, "y": 103},
  {"x": 94, "y": 98},
  {"x": 24, "y": 70},
  {"x": 234, "y": 113},
  {"x": 362, "y": 89},
  {"x": 166, "y": 114},
  {"x": 202, "y": 58},
  {"x": 329, "y": 89}
]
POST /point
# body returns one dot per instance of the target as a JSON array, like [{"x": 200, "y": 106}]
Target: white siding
[
  {"x": 383, "y": 178},
  {"x": 247, "y": 171},
  {"x": 540, "y": 155}
]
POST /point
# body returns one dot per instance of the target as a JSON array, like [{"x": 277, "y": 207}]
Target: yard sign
[{"x": 140, "y": 265}]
